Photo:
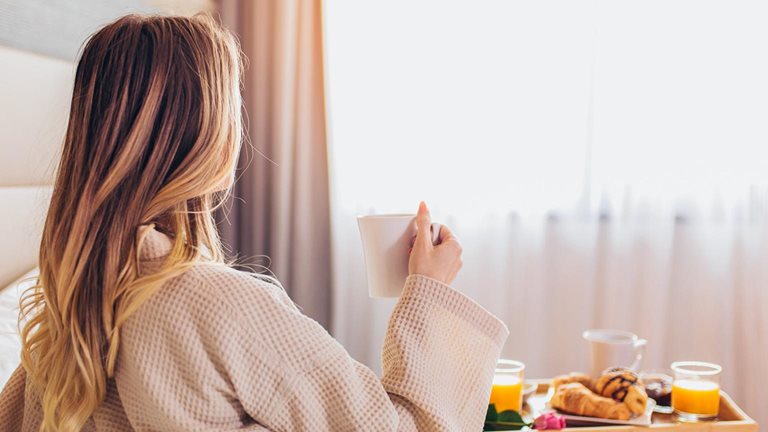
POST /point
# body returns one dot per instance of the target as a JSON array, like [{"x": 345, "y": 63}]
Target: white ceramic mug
[
  {"x": 614, "y": 348},
  {"x": 386, "y": 242}
]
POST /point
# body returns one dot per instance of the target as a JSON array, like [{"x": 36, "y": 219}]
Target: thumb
[{"x": 423, "y": 223}]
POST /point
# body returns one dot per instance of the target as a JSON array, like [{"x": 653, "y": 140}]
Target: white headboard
[
  {"x": 34, "y": 101},
  {"x": 35, "y": 94}
]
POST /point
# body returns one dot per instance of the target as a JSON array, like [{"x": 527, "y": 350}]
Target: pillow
[{"x": 10, "y": 341}]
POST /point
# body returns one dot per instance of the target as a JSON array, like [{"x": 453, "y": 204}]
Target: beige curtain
[{"x": 281, "y": 205}]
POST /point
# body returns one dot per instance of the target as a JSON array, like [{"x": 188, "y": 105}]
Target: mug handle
[
  {"x": 435, "y": 229},
  {"x": 640, "y": 350}
]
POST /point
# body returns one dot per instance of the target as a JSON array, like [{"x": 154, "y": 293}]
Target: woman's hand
[{"x": 441, "y": 261}]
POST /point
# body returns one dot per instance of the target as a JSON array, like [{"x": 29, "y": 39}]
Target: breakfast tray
[{"x": 731, "y": 417}]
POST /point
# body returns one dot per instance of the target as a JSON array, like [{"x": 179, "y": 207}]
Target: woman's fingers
[
  {"x": 445, "y": 234},
  {"x": 441, "y": 261},
  {"x": 448, "y": 240},
  {"x": 423, "y": 224}
]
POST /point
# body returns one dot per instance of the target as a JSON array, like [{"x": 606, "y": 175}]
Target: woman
[{"x": 137, "y": 323}]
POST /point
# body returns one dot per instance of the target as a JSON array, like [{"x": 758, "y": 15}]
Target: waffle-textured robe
[{"x": 219, "y": 349}]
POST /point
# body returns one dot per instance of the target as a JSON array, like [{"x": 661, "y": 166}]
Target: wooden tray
[{"x": 731, "y": 417}]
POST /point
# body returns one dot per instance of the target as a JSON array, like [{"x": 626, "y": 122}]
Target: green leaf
[
  {"x": 510, "y": 416},
  {"x": 504, "y": 421},
  {"x": 491, "y": 415},
  {"x": 502, "y": 426}
]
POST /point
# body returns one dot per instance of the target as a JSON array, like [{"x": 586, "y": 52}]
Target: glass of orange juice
[
  {"x": 507, "y": 390},
  {"x": 696, "y": 390}
]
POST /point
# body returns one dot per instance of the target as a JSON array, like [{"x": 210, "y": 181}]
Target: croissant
[
  {"x": 576, "y": 399},
  {"x": 572, "y": 377},
  {"x": 623, "y": 385}
]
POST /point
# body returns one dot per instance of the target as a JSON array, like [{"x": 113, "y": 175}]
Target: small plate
[
  {"x": 642, "y": 420},
  {"x": 663, "y": 409}
]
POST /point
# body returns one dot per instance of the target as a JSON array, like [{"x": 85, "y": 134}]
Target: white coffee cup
[
  {"x": 386, "y": 242},
  {"x": 614, "y": 348}
]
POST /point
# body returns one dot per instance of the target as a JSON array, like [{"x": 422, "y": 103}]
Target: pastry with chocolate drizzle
[{"x": 623, "y": 385}]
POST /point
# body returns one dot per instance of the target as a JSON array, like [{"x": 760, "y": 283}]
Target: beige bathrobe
[{"x": 219, "y": 349}]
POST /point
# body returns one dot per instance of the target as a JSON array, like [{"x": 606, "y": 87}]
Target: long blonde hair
[{"x": 153, "y": 137}]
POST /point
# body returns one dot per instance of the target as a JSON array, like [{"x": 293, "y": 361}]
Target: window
[{"x": 534, "y": 106}]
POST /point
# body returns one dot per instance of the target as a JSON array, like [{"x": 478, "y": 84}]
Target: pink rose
[{"x": 550, "y": 421}]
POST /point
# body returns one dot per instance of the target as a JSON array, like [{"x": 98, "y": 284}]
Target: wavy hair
[{"x": 153, "y": 138}]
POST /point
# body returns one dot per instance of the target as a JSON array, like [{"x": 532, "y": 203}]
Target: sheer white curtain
[{"x": 605, "y": 164}]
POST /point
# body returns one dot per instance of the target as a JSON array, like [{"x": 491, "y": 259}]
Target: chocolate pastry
[{"x": 623, "y": 385}]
